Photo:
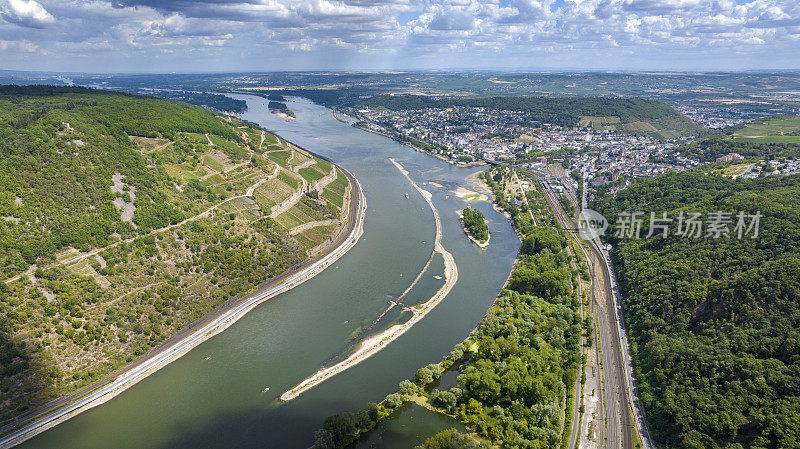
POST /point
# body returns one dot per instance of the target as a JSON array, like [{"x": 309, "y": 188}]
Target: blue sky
[{"x": 266, "y": 35}]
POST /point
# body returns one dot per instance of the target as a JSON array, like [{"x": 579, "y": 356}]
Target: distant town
[
  {"x": 603, "y": 157},
  {"x": 465, "y": 135},
  {"x": 717, "y": 118}
]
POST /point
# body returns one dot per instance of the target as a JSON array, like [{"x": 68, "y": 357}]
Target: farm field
[{"x": 773, "y": 130}]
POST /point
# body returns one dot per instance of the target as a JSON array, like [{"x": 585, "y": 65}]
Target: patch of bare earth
[{"x": 127, "y": 209}]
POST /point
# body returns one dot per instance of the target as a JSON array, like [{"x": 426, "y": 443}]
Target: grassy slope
[
  {"x": 771, "y": 130},
  {"x": 71, "y": 322},
  {"x": 770, "y": 137}
]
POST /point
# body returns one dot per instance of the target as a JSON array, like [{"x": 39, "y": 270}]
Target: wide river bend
[{"x": 224, "y": 393}]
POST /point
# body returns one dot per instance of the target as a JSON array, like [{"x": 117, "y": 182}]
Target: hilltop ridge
[{"x": 125, "y": 218}]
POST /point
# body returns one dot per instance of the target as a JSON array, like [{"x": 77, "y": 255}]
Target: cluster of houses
[
  {"x": 773, "y": 168},
  {"x": 602, "y": 158},
  {"x": 619, "y": 166},
  {"x": 493, "y": 134}
]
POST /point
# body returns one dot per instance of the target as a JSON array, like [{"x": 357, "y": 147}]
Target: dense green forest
[
  {"x": 710, "y": 148},
  {"x": 95, "y": 269},
  {"x": 515, "y": 368},
  {"x": 475, "y": 223},
  {"x": 217, "y": 102},
  {"x": 563, "y": 111},
  {"x": 277, "y": 105},
  {"x": 714, "y": 321}
]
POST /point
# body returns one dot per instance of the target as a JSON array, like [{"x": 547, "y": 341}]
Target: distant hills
[{"x": 633, "y": 115}]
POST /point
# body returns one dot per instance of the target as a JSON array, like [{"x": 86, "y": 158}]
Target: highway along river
[{"x": 225, "y": 392}]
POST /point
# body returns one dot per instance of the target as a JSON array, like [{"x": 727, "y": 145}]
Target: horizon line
[{"x": 502, "y": 70}]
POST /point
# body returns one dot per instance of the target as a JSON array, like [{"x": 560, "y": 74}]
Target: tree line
[{"x": 563, "y": 111}]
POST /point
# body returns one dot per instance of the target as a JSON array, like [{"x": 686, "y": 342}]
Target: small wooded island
[
  {"x": 277, "y": 106},
  {"x": 475, "y": 226}
]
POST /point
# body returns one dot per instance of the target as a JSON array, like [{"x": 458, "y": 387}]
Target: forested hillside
[
  {"x": 714, "y": 322},
  {"x": 623, "y": 114},
  {"x": 216, "y": 102},
  {"x": 60, "y": 148},
  {"x": 124, "y": 218}
]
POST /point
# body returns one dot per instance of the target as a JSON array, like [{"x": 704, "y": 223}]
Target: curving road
[
  {"x": 204, "y": 214},
  {"x": 173, "y": 352}
]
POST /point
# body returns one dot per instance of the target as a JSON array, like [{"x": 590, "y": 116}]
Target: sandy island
[
  {"x": 284, "y": 116},
  {"x": 375, "y": 343},
  {"x": 468, "y": 195}
]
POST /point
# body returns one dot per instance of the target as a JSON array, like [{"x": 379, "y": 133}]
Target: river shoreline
[
  {"x": 63, "y": 408},
  {"x": 375, "y": 343},
  {"x": 474, "y": 181},
  {"x": 225, "y": 392},
  {"x": 338, "y": 119},
  {"x": 418, "y": 149}
]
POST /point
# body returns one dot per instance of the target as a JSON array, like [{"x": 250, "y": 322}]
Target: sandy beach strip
[{"x": 375, "y": 343}]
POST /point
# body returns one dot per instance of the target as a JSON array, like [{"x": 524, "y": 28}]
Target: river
[{"x": 224, "y": 392}]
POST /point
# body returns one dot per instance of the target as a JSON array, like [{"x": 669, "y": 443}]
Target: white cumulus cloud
[
  {"x": 26, "y": 13},
  {"x": 266, "y": 34}
]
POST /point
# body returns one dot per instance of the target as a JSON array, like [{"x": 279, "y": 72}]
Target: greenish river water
[
  {"x": 224, "y": 392},
  {"x": 409, "y": 426}
]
